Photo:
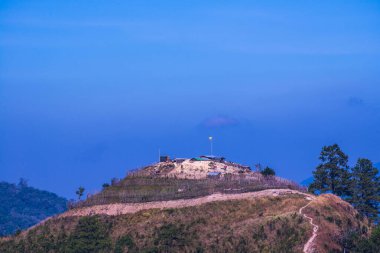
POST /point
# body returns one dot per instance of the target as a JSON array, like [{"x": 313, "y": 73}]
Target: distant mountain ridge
[{"x": 22, "y": 206}]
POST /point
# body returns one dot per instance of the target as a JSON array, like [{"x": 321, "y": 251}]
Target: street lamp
[{"x": 210, "y": 139}]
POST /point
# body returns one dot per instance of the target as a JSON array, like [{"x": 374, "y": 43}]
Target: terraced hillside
[{"x": 163, "y": 181}]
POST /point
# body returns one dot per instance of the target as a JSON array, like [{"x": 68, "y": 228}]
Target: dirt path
[
  {"x": 118, "y": 209},
  {"x": 308, "y": 248}
]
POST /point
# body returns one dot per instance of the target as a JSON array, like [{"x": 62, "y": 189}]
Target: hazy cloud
[
  {"x": 355, "y": 101},
  {"x": 219, "y": 121}
]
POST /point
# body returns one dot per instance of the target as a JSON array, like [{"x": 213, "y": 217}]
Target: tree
[
  {"x": 356, "y": 241},
  {"x": 268, "y": 172},
  {"x": 332, "y": 175},
  {"x": 258, "y": 167},
  {"x": 80, "y": 192},
  {"x": 124, "y": 243},
  {"x": 365, "y": 189},
  {"x": 114, "y": 181},
  {"x": 23, "y": 183}
]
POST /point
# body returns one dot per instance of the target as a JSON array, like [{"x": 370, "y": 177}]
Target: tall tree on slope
[
  {"x": 332, "y": 175},
  {"x": 365, "y": 189}
]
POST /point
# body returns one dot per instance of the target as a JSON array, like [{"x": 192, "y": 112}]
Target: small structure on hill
[
  {"x": 164, "y": 158},
  {"x": 214, "y": 158},
  {"x": 197, "y": 159},
  {"x": 179, "y": 160},
  {"x": 246, "y": 168},
  {"x": 214, "y": 174},
  {"x": 210, "y": 158}
]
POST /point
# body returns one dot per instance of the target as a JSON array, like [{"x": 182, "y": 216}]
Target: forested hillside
[{"x": 22, "y": 206}]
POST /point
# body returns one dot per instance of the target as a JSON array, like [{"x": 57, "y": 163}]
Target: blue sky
[{"x": 91, "y": 89}]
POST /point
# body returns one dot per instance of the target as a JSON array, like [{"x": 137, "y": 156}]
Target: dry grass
[
  {"x": 334, "y": 217},
  {"x": 269, "y": 224},
  {"x": 261, "y": 224}
]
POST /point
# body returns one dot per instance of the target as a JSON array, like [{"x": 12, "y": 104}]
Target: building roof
[
  {"x": 200, "y": 159},
  {"x": 214, "y": 173},
  {"x": 213, "y": 157}
]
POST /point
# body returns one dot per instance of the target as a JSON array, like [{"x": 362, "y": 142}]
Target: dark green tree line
[
  {"x": 354, "y": 242},
  {"x": 268, "y": 172},
  {"x": 365, "y": 188},
  {"x": 89, "y": 236},
  {"x": 359, "y": 185},
  {"x": 332, "y": 175}
]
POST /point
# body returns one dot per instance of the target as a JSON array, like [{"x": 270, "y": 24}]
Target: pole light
[{"x": 210, "y": 139}]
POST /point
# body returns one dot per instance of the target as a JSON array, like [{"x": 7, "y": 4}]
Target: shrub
[
  {"x": 89, "y": 236},
  {"x": 125, "y": 242},
  {"x": 268, "y": 172}
]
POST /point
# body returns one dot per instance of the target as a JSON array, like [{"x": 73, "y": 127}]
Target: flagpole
[{"x": 210, "y": 138}]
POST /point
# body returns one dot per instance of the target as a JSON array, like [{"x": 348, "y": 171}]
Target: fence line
[{"x": 137, "y": 189}]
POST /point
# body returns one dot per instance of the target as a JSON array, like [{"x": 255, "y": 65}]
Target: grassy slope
[
  {"x": 267, "y": 224},
  {"x": 334, "y": 217},
  {"x": 252, "y": 225}
]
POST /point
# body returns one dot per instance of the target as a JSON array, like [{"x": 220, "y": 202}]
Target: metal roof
[
  {"x": 212, "y": 157},
  {"x": 214, "y": 173}
]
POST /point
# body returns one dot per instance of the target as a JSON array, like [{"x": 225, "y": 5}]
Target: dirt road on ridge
[{"x": 124, "y": 208}]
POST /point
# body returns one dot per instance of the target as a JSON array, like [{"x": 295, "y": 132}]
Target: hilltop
[
  {"x": 196, "y": 168},
  {"x": 22, "y": 206},
  {"x": 184, "y": 179}
]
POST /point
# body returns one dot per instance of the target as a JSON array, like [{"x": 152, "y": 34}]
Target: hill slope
[
  {"x": 22, "y": 206},
  {"x": 265, "y": 221},
  {"x": 168, "y": 207}
]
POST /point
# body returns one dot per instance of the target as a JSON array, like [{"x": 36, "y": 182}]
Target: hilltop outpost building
[
  {"x": 210, "y": 158},
  {"x": 214, "y": 174},
  {"x": 164, "y": 158},
  {"x": 214, "y": 158},
  {"x": 179, "y": 160}
]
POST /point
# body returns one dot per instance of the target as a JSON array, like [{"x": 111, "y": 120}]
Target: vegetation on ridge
[
  {"x": 22, "y": 206},
  {"x": 359, "y": 185}
]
